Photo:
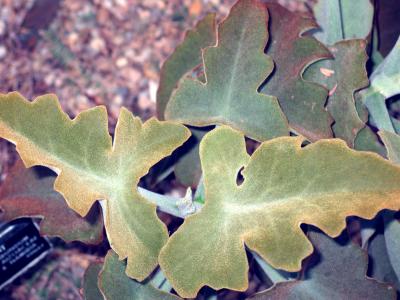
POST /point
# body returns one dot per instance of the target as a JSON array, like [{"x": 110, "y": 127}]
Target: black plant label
[{"x": 21, "y": 247}]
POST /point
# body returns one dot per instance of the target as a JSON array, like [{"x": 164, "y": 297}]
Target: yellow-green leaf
[
  {"x": 234, "y": 69},
  {"x": 90, "y": 167},
  {"x": 284, "y": 186}
]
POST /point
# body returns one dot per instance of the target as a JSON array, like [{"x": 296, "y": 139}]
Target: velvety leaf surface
[
  {"x": 343, "y": 76},
  {"x": 115, "y": 285},
  {"x": 25, "y": 193},
  {"x": 340, "y": 274},
  {"x": 320, "y": 184},
  {"x": 302, "y": 102},
  {"x": 90, "y": 167},
  {"x": 185, "y": 57},
  {"x": 234, "y": 69},
  {"x": 91, "y": 289},
  {"x": 343, "y": 20}
]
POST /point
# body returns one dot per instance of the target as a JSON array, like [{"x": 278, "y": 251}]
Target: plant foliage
[{"x": 296, "y": 88}]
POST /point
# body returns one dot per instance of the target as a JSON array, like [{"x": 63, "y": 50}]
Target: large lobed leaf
[
  {"x": 234, "y": 69},
  {"x": 320, "y": 184},
  {"x": 185, "y": 57},
  {"x": 303, "y": 102},
  {"x": 339, "y": 274},
  {"x": 90, "y": 167},
  {"x": 343, "y": 75},
  {"x": 25, "y": 193}
]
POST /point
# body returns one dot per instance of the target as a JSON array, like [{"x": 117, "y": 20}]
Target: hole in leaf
[
  {"x": 305, "y": 143},
  {"x": 239, "y": 177}
]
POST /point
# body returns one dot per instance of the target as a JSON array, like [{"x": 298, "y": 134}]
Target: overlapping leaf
[
  {"x": 25, "y": 193},
  {"x": 343, "y": 76},
  {"x": 340, "y": 274},
  {"x": 185, "y": 57},
  {"x": 381, "y": 267},
  {"x": 367, "y": 139},
  {"x": 343, "y": 19},
  {"x": 188, "y": 169},
  {"x": 302, "y": 102},
  {"x": 91, "y": 289},
  {"x": 320, "y": 184},
  {"x": 385, "y": 83},
  {"x": 386, "y": 78},
  {"x": 234, "y": 70},
  {"x": 392, "y": 225},
  {"x": 115, "y": 285},
  {"x": 90, "y": 167}
]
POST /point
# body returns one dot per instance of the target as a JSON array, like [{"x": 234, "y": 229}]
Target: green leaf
[
  {"x": 90, "y": 167},
  {"x": 343, "y": 76},
  {"x": 91, "y": 289},
  {"x": 187, "y": 169},
  {"x": 340, "y": 274},
  {"x": 26, "y": 193},
  {"x": 302, "y": 102},
  {"x": 234, "y": 70},
  {"x": 392, "y": 144},
  {"x": 320, "y": 184},
  {"x": 385, "y": 83},
  {"x": 386, "y": 78},
  {"x": 392, "y": 225},
  {"x": 343, "y": 20},
  {"x": 381, "y": 267},
  {"x": 115, "y": 285},
  {"x": 185, "y": 57},
  {"x": 367, "y": 139}
]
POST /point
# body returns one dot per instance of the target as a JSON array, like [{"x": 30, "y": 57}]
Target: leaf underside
[
  {"x": 320, "y": 185},
  {"x": 234, "y": 70},
  {"x": 90, "y": 167},
  {"x": 343, "y": 76},
  {"x": 185, "y": 57},
  {"x": 302, "y": 102},
  {"x": 339, "y": 274},
  {"x": 25, "y": 193}
]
